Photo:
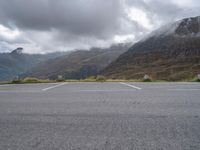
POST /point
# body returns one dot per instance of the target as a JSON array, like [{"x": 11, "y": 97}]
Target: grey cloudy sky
[{"x": 58, "y": 25}]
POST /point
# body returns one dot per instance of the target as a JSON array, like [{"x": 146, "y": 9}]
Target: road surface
[{"x": 100, "y": 116}]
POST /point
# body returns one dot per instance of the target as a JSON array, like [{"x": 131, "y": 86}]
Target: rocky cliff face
[
  {"x": 169, "y": 53},
  {"x": 16, "y": 63},
  {"x": 189, "y": 27}
]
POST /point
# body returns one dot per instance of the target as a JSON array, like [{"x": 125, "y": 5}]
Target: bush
[
  {"x": 195, "y": 79},
  {"x": 90, "y": 79},
  {"x": 100, "y": 78},
  {"x": 16, "y": 81},
  {"x": 31, "y": 80},
  {"x": 60, "y": 80},
  {"x": 147, "y": 80}
]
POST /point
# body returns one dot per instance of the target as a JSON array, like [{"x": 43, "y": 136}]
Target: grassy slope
[{"x": 79, "y": 64}]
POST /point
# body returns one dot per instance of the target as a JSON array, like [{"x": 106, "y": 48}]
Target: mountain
[
  {"x": 169, "y": 53},
  {"x": 16, "y": 63},
  {"x": 78, "y": 64}
]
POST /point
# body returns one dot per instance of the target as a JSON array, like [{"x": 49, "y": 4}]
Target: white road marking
[
  {"x": 55, "y": 86},
  {"x": 138, "y": 88}
]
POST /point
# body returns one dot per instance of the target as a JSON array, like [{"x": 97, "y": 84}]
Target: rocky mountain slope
[
  {"x": 169, "y": 53},
  {"x": 79, "y": 64},
  {"x": 16, "y": 63}
]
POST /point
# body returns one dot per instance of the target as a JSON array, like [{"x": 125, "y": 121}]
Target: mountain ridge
[
  {"x": 79, "y": 64},
  {"x": 14, "y": 63},
  {"x": 163, "y": 55}
]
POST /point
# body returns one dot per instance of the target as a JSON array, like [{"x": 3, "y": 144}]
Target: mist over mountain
[
  {"x": 169, "y": 53},
  {"x": 16, "y": 62},
  {"x": 79, "y": 64}
]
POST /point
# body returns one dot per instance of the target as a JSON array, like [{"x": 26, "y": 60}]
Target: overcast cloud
[{"x": 42, "y": 26}]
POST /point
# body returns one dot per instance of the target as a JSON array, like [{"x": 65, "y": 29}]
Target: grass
[
  {"x": 98, "y": 78},
  {"x": 31, "y": 80}
]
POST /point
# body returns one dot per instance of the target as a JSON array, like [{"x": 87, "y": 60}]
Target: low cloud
[{"x": 47, "y": 25}]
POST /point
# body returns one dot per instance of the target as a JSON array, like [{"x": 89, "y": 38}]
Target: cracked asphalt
[{"x": 100, "y": 116}]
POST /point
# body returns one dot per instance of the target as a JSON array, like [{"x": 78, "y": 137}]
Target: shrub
[
  {"x": 195, "y": 79},
  {"x": 90, "y": 79},
  {"x": 147, "y": 80},
  {"x": 100, "y": 78},
  {"x": 31, "y": 80},
  {"x": 60, "y": 80},
  {"x": 16, "y": 81}
]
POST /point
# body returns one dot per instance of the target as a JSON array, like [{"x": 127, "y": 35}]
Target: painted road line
[
  {"x": 135, "y": 87},
  {"x": 52, "y": 87}
]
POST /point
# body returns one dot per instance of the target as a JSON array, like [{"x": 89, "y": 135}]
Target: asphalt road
[{"x": 100, "y": 116}]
